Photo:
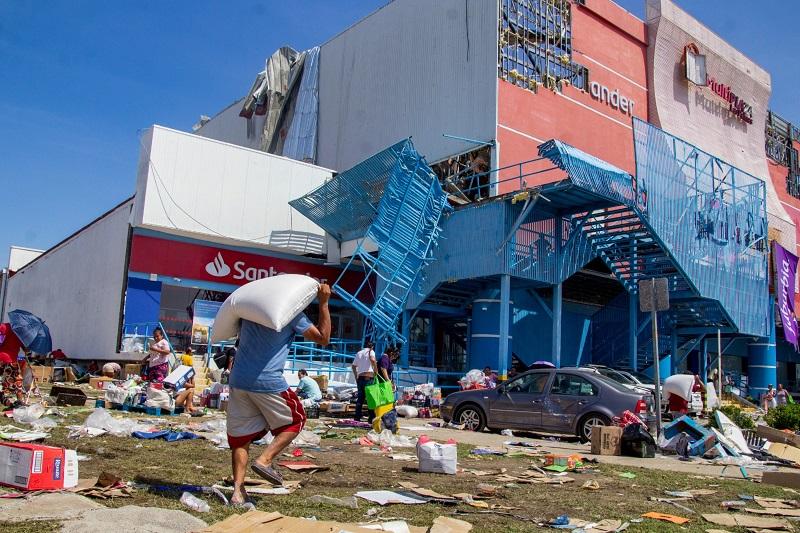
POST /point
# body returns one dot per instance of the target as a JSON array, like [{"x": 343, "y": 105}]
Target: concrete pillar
[
  {"x": 633, "y": 327},
  {"x": 702, "y": 367}
]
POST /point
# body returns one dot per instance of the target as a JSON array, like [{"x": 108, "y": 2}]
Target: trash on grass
[
  {"x": 437, "y": 458},
  {"x": 627, "y": 475},
  {"x": 350, "y": 502},
  {"x": 29, "y": 414},
  {"x": 666, "y": 517},
  {"x": 386, "y": 497}
]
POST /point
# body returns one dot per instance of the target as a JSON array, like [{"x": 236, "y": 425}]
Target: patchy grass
[{"x": 169, "y": 465}]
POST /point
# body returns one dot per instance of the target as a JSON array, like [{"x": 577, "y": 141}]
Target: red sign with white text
[{"x": 222, "y": 265}]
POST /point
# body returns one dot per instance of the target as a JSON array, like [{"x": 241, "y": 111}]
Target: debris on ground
[
  {"x": 666, "y": 517},
  {"x": 350, "y": 502},
  {"x": 386, "y": 497},
  {"x": 133, "y": 518}
]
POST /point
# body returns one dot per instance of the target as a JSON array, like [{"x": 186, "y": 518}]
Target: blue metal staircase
[{"x": 688, "y": 217}]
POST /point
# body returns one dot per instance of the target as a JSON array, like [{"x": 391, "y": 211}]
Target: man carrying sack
[{"x": 261, "y": 400}]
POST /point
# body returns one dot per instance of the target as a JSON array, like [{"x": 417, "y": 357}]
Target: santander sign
[{"x": 219, "y": 269}]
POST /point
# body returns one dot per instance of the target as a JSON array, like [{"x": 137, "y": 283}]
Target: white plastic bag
[
  {"x": 29, "y": 414},
  {"x": 437, "y": 458},
  {"x": 679, "y": 384},
  {"x": 272, "y": 302},
  {"x": 407, "y": 411},
  {"x": 119, "y": 427},
  {"x": 387, "y": 438},
  {"x": 307, "y": 439},
  {"x": 159, "y": 398}
]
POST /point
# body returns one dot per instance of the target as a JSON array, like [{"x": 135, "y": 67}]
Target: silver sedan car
[{"x": 563, "y": 401}]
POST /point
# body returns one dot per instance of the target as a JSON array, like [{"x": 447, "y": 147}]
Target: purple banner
[{"x": 785, "y": 272}]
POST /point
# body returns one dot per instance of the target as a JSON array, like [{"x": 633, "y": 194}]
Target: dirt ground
[{"x": 354, "y": 468}]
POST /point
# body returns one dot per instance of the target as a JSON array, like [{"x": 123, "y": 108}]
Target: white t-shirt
[
  {"x": 157, "y": 358},
  {"x": 363, "y": 361}
]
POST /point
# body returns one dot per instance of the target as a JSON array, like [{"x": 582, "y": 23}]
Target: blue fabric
[
  {"x": 169, "y": 436},
  {"x": 308, "y": 389},
  {"x": 262, "y": 355}
]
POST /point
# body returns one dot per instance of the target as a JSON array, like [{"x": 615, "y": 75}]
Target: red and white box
[{"x": 35, "y": 467}]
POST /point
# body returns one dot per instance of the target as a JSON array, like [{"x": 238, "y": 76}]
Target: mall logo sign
[
  {"x": 696, "y": 73},
  {"x": 217, "y": 267}
]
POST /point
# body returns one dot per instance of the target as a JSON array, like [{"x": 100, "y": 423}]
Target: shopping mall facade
[{"x": 669, "y": 164}]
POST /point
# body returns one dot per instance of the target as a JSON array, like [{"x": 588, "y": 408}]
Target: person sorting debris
[
  {"x": 158, "y": 359},
  {"x": 308, "y": 389},
  {"x": 261, "y": 400},
  {"x": 364, "y": 368}
]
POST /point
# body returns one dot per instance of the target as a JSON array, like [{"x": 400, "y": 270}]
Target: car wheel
[
  {"x": 471, "y": 416},
  {"x": 588, "y": 422}
]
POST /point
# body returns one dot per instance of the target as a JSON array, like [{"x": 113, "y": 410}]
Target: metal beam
[
  {"x": 688, "y": 348},
  {"x": 584, "y": 334},
  {"x": 557, "y": 301},
  {"x": 703, "y": 331},
  {"x": 526, "y": 210},
  {"x": 644, "y": 324}
]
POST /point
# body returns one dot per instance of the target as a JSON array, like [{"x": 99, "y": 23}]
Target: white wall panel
[
  {"x": 18, "y": 257},
  {"x": 416, "y": 68},
  {"x": 192, "y": 184},
  {"x": 76, "y": 287}
]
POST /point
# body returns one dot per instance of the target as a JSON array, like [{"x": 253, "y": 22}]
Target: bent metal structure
[{"x": 503, "y": 261}]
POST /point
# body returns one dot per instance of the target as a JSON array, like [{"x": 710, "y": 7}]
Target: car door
[
  {"x": 517, "y": 404},
  {"x": 569, "y": 396}
]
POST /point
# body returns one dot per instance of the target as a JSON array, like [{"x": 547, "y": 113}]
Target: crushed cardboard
[
  {"x": 743, "y": 520},
  {"x": 666, "y": 517}
]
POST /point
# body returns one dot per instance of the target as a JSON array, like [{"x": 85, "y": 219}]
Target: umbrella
[
  {"x": 31, "y": 330},
  {"x": 541, "y": 364}
]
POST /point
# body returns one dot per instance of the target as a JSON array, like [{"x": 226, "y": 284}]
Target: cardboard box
[
  {"x": 178, "y": 377},
  {"x": 569, "y": 461},
  {"x": 606, "y": 440},
  {"x": 35, "y": 467},
  {"x": 322, "y": 381},
  {"x": 776, "y": 435},
  {"x": 784, "y": 451},
  {"x": 99, "y": 382},
  {"x": 42, "y": 374},
  {"x": 132, "y": 370},
  {"x": 782, "y": 478}
]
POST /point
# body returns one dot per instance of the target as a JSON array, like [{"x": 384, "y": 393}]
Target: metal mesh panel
[
  {"x": 712, "y": 219},
  {"x": 535, "y": 45},
  {"x": 346, "y": 205},
  {"x": 406, "y": 229}
]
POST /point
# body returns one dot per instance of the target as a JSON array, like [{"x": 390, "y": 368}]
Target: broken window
[
  {"x": 466, "y": 177},
  {"x": 535, "y": 47}
]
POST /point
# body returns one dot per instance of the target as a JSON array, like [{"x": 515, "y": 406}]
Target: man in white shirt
[{"x": 364, "y": 368}]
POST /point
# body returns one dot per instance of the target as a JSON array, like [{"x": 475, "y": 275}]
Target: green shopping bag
[{"x": 379, "y": 392}]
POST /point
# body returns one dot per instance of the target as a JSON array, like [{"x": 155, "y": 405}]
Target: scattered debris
[
  {"x": 627, "y": 475},
  {"x": 743, "y": 520},
  {"x": 350, "y": 502},
  {"x": 386, "y": 497},
  {"x": 303, "y": 466},
  {"x": 666, "y": 517},
  {"x": 591, "y": 484}
]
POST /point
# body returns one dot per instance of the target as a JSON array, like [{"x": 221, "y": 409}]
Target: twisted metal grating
[
  {"x": 405, "y": 229},
  {"x": 346, "y": 205}
]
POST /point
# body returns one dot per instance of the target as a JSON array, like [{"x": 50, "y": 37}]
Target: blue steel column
[
  {"x": 702, "y": 368},
  {"x": 505, "y": 316},
  {"x": 557, "y": 297},
  {"x": 633, "y": 326},
  {"x": 406, "y": 332},
  {"x": 673, "y": 360},
  {"x": 762, "y": 358},
  {"x": 633, "y": 315},
  {"x": 557, "y": 293}
]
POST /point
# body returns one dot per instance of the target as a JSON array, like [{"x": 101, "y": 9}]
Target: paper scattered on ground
[
  {"x": 666, "y": 517},
  {"x": 386, "y": 497}
]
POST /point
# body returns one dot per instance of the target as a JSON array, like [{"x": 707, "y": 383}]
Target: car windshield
[
  {"x": 616, "y": 376},
  {"x": 642, "y": 378},
  {"x": 616, "y": 385}
]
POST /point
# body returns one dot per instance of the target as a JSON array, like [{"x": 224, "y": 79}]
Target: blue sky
[{"x": 80, "y": 79}]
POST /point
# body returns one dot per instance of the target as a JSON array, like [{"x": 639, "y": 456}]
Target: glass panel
[{"x": 569, "y": 385}]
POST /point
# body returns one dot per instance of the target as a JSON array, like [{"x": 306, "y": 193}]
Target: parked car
[{"x": 565, "y": 401}]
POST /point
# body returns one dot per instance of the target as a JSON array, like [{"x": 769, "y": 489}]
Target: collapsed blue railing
[{"x": 405, "y": 229}]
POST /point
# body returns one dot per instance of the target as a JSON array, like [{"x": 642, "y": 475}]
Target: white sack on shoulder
[
  {"x": 272, "y": 302},
  {"x": 680, "y": 384}
]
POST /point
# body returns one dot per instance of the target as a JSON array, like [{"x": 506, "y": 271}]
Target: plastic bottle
[{"x": 194, "y": 503}]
